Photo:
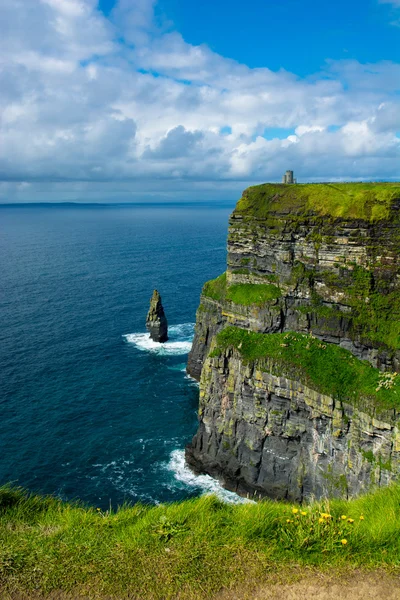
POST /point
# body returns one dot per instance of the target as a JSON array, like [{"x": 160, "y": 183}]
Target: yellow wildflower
[
  {"x": 344, "y": 517},
  {"x": 303, "y": 512},
  {"x": 350, "y": 520},
  {"x": 320, "y": 520},
  {"x": 288, "y": 521},
  {"x": 361, "y": 518},
  {"x": 295, "y": 510},
  {"x": 344, "y": 542}
]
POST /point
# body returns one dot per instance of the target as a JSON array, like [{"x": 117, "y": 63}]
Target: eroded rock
[{"x": 156, "y": 322}]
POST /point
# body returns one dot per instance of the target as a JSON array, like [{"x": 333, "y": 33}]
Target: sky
[{"x": 143, "y": 100}]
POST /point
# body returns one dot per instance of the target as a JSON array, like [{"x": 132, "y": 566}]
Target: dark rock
[
  {"x": 270, "y": 435},
  {"x": 156, "y": 322}
]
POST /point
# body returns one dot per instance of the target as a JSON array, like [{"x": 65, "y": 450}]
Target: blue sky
[
  {"x": 296, "y": 35},
  {"x": 135, "y": 99}
]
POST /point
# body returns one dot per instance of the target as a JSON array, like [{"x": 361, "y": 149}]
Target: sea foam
[
  {"x": 204, "y": 483},
  {"x": 179, "y": 342}
]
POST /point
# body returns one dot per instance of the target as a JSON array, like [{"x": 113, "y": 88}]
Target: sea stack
[{"x": 156, "y": 322}]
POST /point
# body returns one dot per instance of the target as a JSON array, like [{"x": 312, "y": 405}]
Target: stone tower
[{"x": 288, "y": 177}]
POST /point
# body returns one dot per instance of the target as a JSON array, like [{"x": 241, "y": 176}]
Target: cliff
[{"x": 320, "y": 260}]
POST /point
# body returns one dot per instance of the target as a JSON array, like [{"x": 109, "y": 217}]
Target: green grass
[
  {"x": 190, "y": 549},
  {"x": 246, "y": 294},
  {"x": 216, "y": 288},
  {"x": 367, "y": 201},
  {"x": 327, "y": 368},
  {"x": 249, "y": 294}
]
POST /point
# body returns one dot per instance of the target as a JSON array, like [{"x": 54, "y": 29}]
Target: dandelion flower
[
  {"x": 288, "y": 521},
  {"x": 303, "y": 512},
  {"x": 343, "y": 517},
  {"x": 320, "y": 520},
  {"x": 350, "y": 520},
  {"x": 344, "y": 542},
  {"x": 361, "y": 518},
  {"x": 295, "y": 511}
]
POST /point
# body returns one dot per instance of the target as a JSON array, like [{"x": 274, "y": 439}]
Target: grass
[
  {"x": 249, "y": 294},
  {"x": 246, "y": 294},
  {"x": 216, "y": 288},
  {"x": 367, "y": 201},
  {"x": 190, "y": 549},
  {"x": 327, "y": 368}
]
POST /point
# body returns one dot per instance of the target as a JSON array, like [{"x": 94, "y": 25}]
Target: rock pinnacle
[{"x": 156, "y": 322}]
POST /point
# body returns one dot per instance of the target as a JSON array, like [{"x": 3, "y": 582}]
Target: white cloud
[{"x": 79, "y": 106}]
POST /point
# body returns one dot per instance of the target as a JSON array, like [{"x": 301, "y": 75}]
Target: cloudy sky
[{"x": 134, "y": 100}]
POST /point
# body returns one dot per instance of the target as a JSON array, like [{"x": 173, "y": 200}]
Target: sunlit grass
[
  {"x": 191, "y": 548},
  {"x": 327, "y": 368},
  {"x": 245, "y": 294},
  {"x": 367, "y": 201}
]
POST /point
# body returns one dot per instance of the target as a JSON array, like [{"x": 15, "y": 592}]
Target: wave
[
  {"x": 123, "y": 476},
  {"x": 204, "y": 483},
  {"x": 179, "y": 342},
  {"x": 192, "y": 380}
]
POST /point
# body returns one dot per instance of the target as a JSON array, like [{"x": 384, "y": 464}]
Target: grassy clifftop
[
  {"x": 327, "y": 368},
  {"x": 246, "y": 294},
  {"x": 189, "y": 550},
  {"x": 367, "y": 201}
]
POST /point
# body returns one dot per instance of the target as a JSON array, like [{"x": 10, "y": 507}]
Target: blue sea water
[{"x": 89, "y": 407}]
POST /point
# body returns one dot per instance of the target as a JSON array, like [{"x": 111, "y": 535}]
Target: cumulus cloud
[{"x": 123, "y": 103}]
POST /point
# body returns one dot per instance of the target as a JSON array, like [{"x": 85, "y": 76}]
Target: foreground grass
[
  {"x": 328, "y": 368},
  {"x": 191, "y": 549}
]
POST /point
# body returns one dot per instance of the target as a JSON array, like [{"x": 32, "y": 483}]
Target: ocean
[{"x": 90, "y": 408}]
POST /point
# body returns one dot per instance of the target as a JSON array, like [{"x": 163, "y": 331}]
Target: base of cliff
[{"x": 202, "y": 464}]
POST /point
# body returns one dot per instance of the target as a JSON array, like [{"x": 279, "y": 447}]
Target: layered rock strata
[
  {"x": 156, "y": 322},
  {"x": 271, "y": 435},
  {"x": 338, "y": 277},
  {"x": 325, "y": 262}
]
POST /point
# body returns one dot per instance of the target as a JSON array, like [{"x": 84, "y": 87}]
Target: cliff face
[{"x": 320, "y": 260}]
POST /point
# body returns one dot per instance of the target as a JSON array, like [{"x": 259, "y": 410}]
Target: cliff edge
[{"x": 297, "y": 345}]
